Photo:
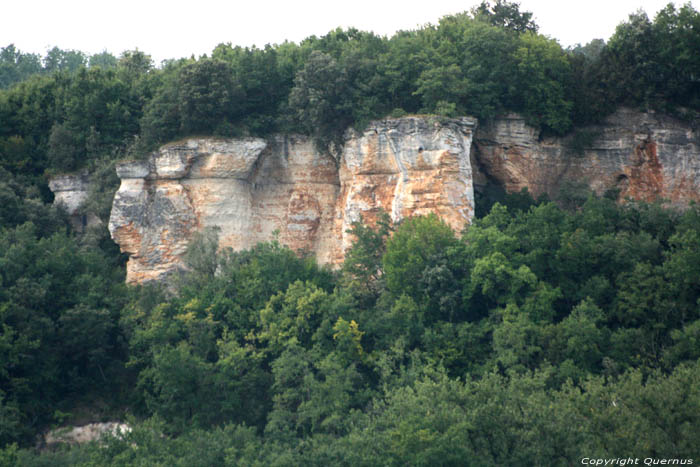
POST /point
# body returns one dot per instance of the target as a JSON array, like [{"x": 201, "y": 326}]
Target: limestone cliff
[
  {"x": 84, "y": 434},
  {"x": 250, "y": 188},
  {"x": 71, "y": 192},
  {"x": 406, "y": 167},
  {"x": 646, "y": 156}
]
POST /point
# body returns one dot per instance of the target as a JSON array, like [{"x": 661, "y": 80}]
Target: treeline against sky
[{"x": 65, "y": 109}]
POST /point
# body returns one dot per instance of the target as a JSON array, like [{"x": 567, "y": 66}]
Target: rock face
[
  {"x": 406, "y": 167},
  {"x": 85, "y": 433},
  {"x": 70, "y": 192},
  {"x": 248, "y": 188},
  {"x": 644, "y": 155},
  {"x": 252, "y": 188}
]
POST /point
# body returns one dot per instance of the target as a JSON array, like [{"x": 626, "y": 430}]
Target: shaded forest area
[{"x": 548, "y": 331}]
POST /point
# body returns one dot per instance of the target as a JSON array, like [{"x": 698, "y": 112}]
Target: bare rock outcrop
[
  {"x": 253, "y": 188},
  {"x": 248, "y": 188},
  {"x": 85, "y": 433},
  {"x": 645, "y": 155},
  {"x": 407, "y": 167},
  {"x": 71, "y": 191}
]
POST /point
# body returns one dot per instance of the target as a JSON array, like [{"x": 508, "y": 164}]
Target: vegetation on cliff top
[{"x": 65, "y": 109}]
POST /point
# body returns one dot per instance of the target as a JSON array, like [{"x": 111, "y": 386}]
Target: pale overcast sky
[{"x": 174, "y": 29}]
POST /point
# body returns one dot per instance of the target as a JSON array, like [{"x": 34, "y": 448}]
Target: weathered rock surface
[
  {"x": 70, "y": 193},
  {"x": 85, "y": 433},
  {"x": 645, "y": 155},
  {"x": 406, "y": 167},
  {"x": 252, "y": 188}
]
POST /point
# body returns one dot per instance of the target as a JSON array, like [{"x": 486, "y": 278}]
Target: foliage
[
  {"x": 319, "y": 100},
  {"x": 483, "y": 63},
  {"x": 16, "y": 66},
  {"x": 506, "y": 15},
  {"x": 362, "y": 267},
  {"x": 207, "y": 95},
  {"x": 427, "y": 348},
  {"x": 645, "y": 64},
  {"x": 59, "y": 306}
]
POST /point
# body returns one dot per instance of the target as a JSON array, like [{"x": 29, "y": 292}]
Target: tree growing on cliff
[
  {"x": 320, "y": 100},
  {"x": 208, "y": 98},
  {"x": 362, "y": 266}
]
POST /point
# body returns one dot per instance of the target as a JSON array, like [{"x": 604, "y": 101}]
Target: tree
[
  {"x": 363, "y": 261},
  {"x": 441, "y": 87},
  {"x": 320, "y": 100},
  {"x": 208, "y": 97},
  {"x": 161, "y": 114},
  {"x": 417, "y": 245},
  {"x": 63, "y": 60},
  {"x": 135, "y": 63},
  {"x": 500, "y": 281},
  {"x": 505, "y": 14},
  {"x": 65, "y": 151},
  {"x": 676, "y": 37},
  {"x": 57, "y": 322},
  {"x": 103, "y": 60},
  {"x": 483, "y": 54},
  {"x": 201, "y": 254},
  {"x": 266, "y": 77},
  {"x": 652, "y": 416},
  {"x": 16, "y": 66},
  {"x": 542, "y": 70}
]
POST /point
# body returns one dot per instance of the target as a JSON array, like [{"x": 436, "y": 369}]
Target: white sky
[{"x": 175, "y": 28}]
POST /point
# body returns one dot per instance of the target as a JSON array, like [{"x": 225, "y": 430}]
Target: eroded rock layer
[
  {"x": 253, "y": 189},
  {"x": 646, "y": 156},
  {"x": 71, "y": 192},
  {"x": 407, "y": 167}
]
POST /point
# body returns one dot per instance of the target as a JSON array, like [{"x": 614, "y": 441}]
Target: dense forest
[{"x": 546, "y": 331}]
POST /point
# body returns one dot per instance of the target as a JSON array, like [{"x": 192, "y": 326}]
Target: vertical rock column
[
  {"x": 70, "y": 193},
  {"x": 407, "y": 167},
  {"x": 295, "y": 189},
  {"x": 152, "y": 221},
  {"x": 219, "y": 188}
]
